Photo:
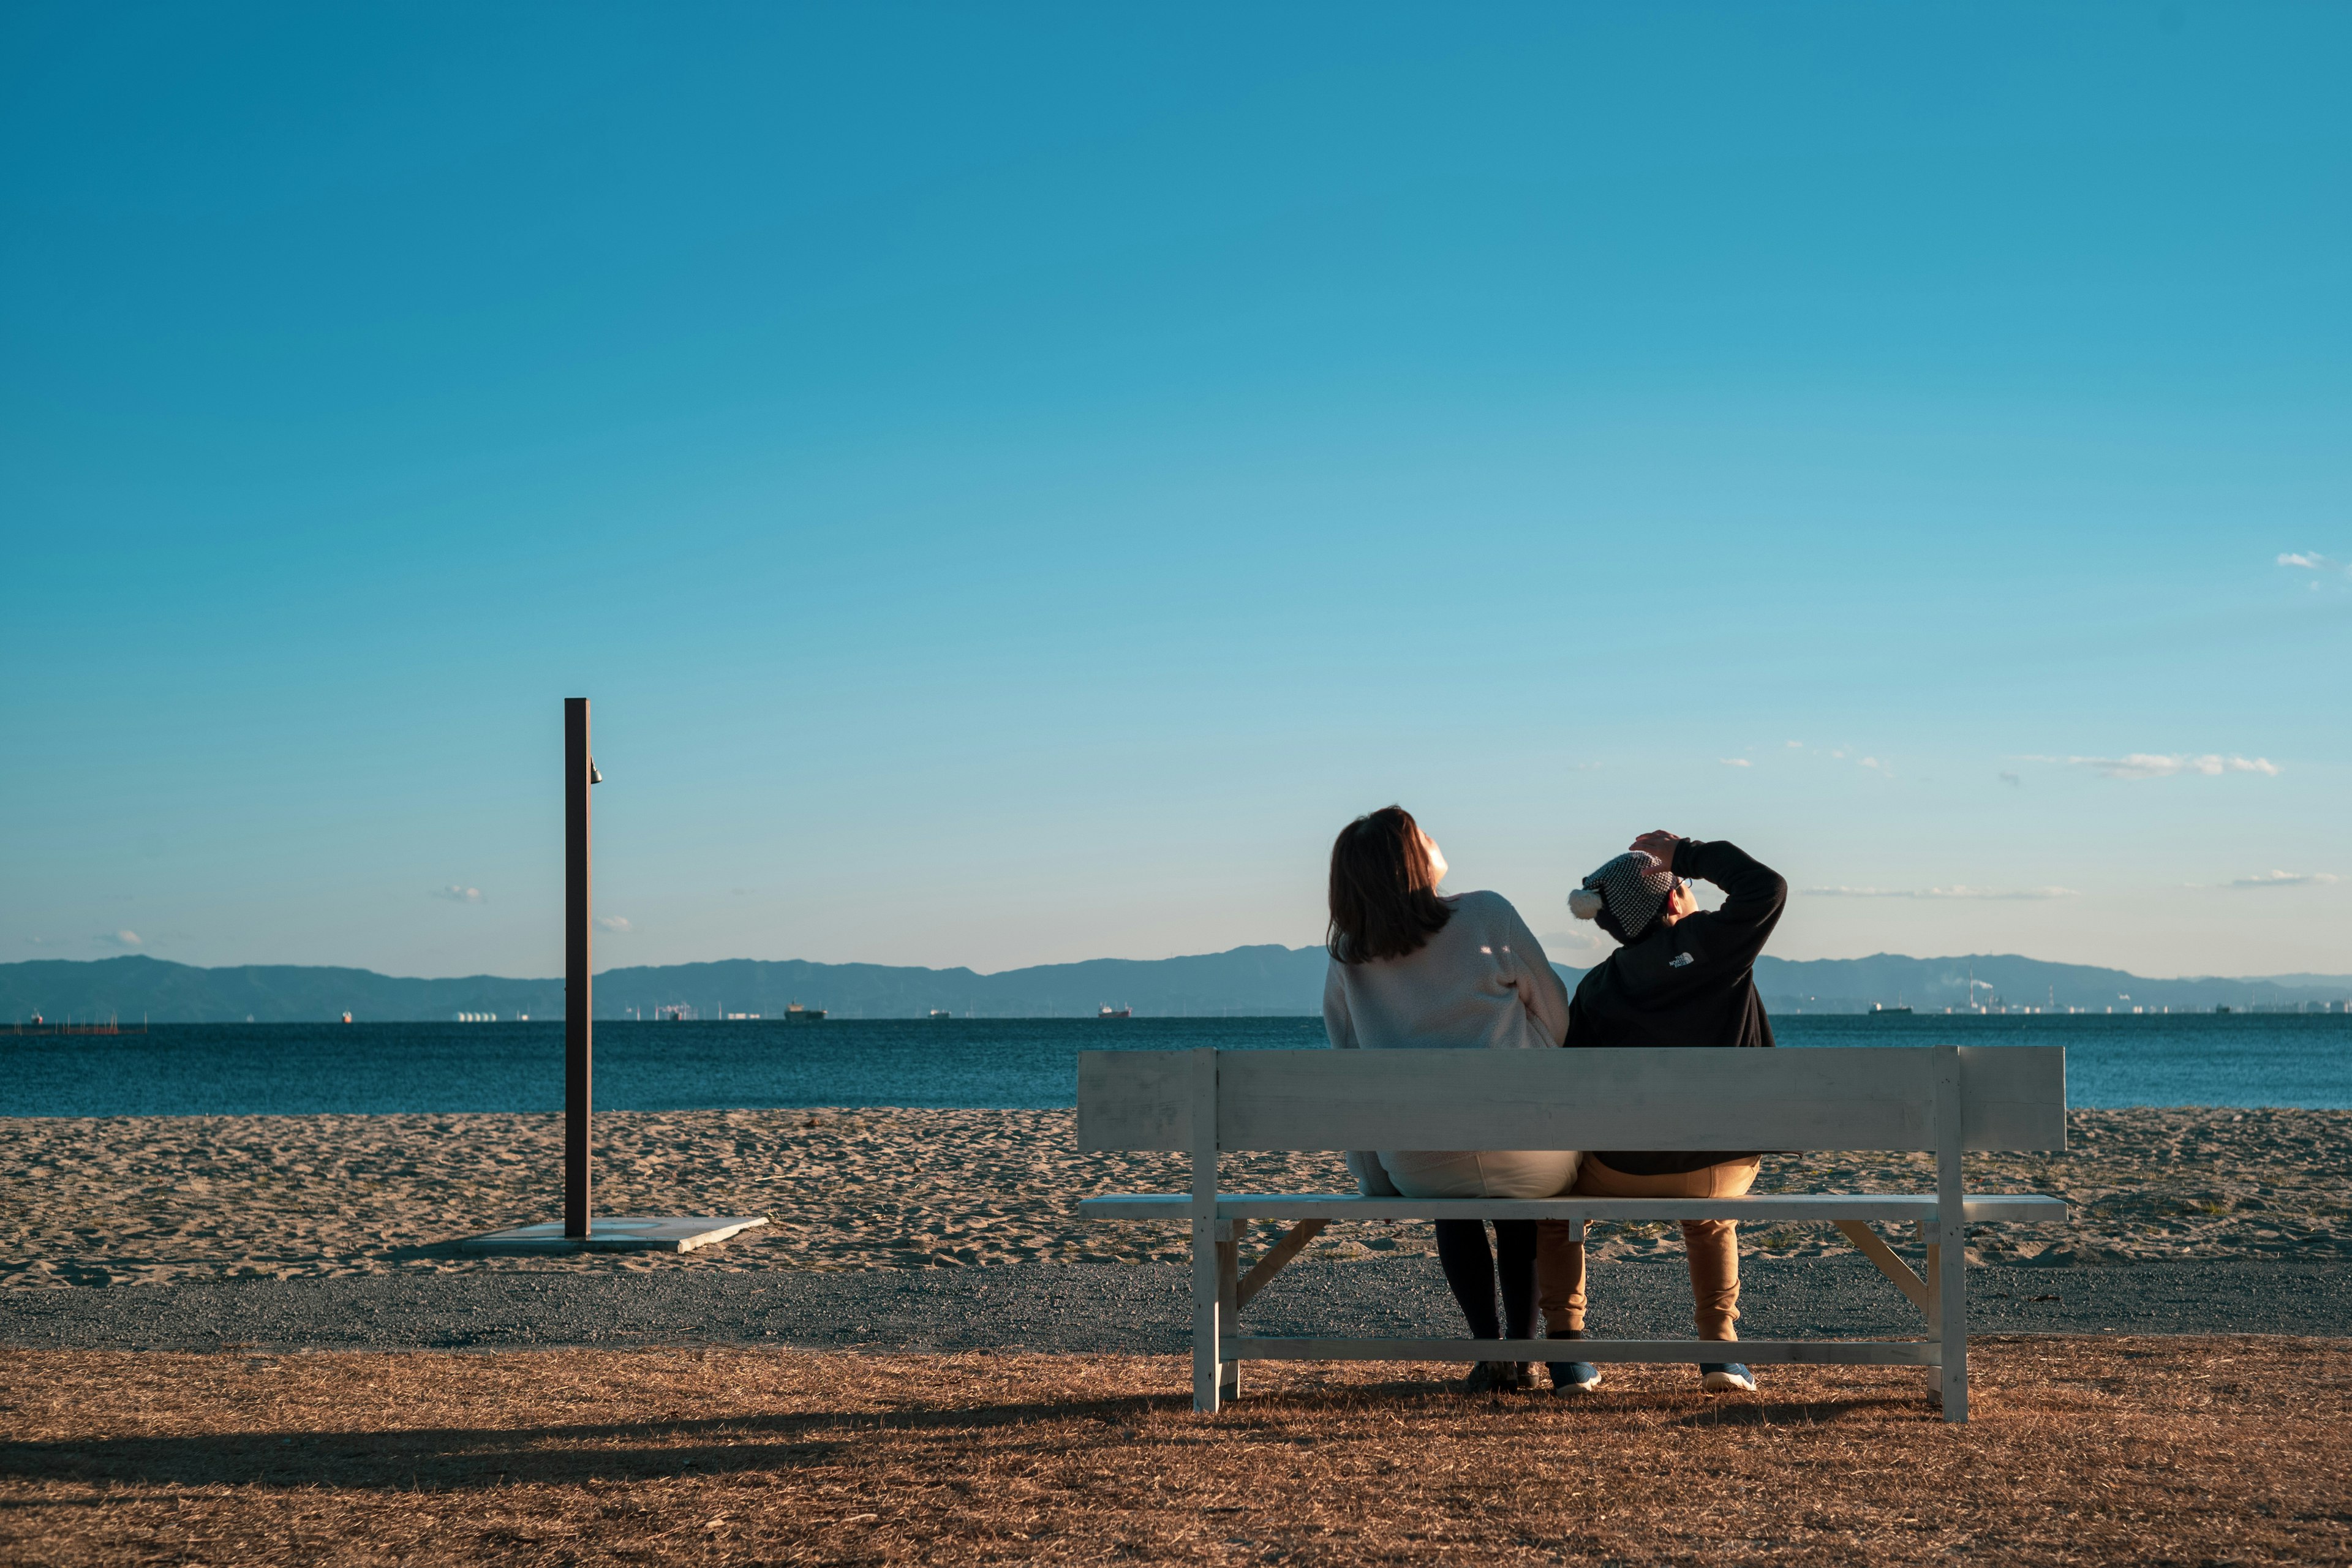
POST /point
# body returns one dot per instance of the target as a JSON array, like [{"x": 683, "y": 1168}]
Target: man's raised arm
[{"x": 1753, "y": 894}]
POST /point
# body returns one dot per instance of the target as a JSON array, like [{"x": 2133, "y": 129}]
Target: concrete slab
[{"x": 615, "y": 1233}]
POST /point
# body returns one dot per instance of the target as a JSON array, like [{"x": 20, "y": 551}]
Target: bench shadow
[
  {"x": 467, "y": 1458},
  {"x": 1768, "y": 1411},
  {"x": 457, "y": 1458}
]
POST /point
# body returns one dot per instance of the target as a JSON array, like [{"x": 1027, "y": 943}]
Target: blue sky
[{"x": 1014, "y": 481}]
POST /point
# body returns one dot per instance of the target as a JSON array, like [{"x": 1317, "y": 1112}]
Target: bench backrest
[{"x": 2011, "y": 1098}]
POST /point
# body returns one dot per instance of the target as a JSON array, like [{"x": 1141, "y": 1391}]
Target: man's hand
[{"x": 1660, "y": 846}]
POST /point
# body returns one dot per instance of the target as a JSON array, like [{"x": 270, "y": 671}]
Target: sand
[
  {"x": 163, "y": 1199},
  {"x": 2108, "y": 1449}
]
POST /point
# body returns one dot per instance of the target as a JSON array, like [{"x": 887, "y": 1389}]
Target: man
[{"x": 1682, "y": 977}]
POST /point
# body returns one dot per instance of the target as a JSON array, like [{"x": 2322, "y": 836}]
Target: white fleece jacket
[{"x": 1480, "y": 983}]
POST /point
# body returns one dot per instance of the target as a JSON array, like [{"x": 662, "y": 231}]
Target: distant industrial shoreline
[{"x": 1263, "y": 981}]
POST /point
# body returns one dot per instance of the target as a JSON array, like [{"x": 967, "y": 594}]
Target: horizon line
[{"x": 1172, "y": 958}]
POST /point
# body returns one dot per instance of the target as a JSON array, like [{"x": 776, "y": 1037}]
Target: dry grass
[{"x": 2189, "y": 1451}]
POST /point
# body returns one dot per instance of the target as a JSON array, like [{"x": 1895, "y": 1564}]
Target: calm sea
[{"x": 203, "y": 1070}]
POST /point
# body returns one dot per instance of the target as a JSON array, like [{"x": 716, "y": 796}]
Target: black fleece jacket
[{"x": 1689, "y": 984}]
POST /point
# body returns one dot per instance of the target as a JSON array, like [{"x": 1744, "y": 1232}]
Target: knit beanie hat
[{"x": 1624, "y": 896}]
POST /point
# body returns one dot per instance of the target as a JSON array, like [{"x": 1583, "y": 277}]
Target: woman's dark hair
[{"x": 1384, "y": 901}]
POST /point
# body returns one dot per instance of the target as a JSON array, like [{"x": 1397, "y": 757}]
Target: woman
[{"x": 1415, "y": 969}]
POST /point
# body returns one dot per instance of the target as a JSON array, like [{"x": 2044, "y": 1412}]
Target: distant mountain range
[{"x": 1243, "y": 982}]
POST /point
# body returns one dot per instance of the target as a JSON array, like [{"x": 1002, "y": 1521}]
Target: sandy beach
[{"x": 168, "y": 1199}]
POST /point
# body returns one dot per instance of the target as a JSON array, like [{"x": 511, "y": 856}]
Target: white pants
[{"x": 1481, "y": 1172}]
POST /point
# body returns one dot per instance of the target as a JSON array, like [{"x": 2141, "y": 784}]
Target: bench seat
[{"x": 1883, "y": 1208}]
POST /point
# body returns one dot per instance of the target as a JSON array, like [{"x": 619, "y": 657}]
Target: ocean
[{"x": 300, "y": 1069}]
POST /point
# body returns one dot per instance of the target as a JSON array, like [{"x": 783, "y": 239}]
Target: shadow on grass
[
  {"x": 454, "y": 1457},
  {"x": 1767, "y": 1412},
  {"x": 466, "y": 1458}
]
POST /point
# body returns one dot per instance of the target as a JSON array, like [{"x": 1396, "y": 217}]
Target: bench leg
[
  {"x": 1229, "y": 1306},
  {"x": 1210, "y": 1263},
  {"x": 1952, "y": 1234},
  {"x": 1205, "y": 1315},
  {"x": 1952, "y": 1322},
  {"x": 1935, "y": 1305}
]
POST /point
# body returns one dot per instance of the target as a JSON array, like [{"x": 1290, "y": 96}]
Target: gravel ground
[{"x": 1111, "y": 1308}]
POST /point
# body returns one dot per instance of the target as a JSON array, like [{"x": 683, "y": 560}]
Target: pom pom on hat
[{"x": 1584, "y": 903}]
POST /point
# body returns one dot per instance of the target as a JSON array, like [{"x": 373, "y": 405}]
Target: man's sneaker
[
  {"x": 1574, "y": 1377},
  {"x": 1726, "y": 1377}
]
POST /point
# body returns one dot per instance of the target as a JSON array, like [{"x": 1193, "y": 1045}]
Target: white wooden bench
[{"x": 1945, "y": 1098}]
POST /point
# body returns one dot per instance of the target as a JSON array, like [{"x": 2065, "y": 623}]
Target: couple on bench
[{"x": 1415, "y": 968}]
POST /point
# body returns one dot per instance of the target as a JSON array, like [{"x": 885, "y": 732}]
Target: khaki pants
[{"x": 1712, "y": 1245}]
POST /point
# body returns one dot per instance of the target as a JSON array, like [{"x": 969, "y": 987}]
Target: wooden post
[{"x": 578, "y": 1003}]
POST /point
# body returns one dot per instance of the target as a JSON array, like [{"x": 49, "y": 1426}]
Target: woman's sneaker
[
  {"x": 1726, "y": 1377},
  {"x": 1497, "y": 1377}
]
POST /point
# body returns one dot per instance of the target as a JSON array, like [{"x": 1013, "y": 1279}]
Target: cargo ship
[
  {"x": 1115, "y": 1012},
  {"x": 796, "y": 1014}
]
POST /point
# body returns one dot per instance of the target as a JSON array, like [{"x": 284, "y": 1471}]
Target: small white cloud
[
  {"x": 1872, "y": 762},
  {"x": 2012, "y": 781},
  {"x": 2159, "y": 765},
  {"x": 1839, "y": 753},
  {"x": 125, "y": 940},
  {"x": 2286, "y": 879},
  {"x": 2319, "y": 566},
  {"x": 1966, "y": 892},
  {"x": 612, "y": 923},
  {"x": 458, "y": 893},
  {"x": 1795, "y": 745},
  {"x": 1735, "y": 762},
  {"x": 37, "y": 942},
  {"x": 1588, "y": 767},
  {"x": 1956, "y": 891}
]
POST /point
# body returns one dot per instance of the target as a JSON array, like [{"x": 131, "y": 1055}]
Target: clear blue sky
[{"x": 1015, "y": 479}]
